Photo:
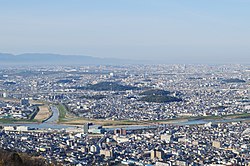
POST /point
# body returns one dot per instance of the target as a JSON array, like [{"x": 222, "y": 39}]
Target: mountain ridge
[{"x": 58, "y": 59}]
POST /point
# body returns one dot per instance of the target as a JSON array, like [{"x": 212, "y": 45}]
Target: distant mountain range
[{"x": 57, "y": 59}]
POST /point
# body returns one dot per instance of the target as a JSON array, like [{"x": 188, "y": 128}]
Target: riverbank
[
  {"x": 80, "y": 121},
  {"x": 44, "y": 113},
  {"x": 53, "y": 123}
]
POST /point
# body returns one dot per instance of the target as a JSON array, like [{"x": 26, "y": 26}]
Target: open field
[
  {"x": 44, "y": 110},
  {"x": 43, "y": 113}
]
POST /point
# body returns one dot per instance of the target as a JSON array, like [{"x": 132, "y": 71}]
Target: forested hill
[{"x": 10, "y": 158}]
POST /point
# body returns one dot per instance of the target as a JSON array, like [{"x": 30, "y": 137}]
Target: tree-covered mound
[
  {"x": 233, "y": 80},
  {"x": 155, "y": 92},
  {"x": 158, "y": 96},
  {"x": 107, "y": 86},
  {"x": 10, "y": 158},
  {"x": 160, "y": 99}
]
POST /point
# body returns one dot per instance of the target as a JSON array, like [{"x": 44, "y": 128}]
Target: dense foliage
[
  {"x": 64, "y": 81},
  {"x": 9, "y": 158},
  {"x": 107, "y": 86},
  {"x": 160, "y": 99},
  {"x": 233, "y": 80}
]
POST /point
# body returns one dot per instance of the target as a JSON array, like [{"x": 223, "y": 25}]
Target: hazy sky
[{"x": 164, "y": 30}]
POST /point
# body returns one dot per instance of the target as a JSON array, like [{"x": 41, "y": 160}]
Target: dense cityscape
[
  {"x": 135, "y": 92},
  {"x": 127, "y": 115},
  {"x": 209, "y": 144}
]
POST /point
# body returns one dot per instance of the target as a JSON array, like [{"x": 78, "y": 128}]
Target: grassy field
[{"x": 63, "y": 113}]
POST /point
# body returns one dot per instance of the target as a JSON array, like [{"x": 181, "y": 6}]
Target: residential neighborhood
[{"x": 128, "y": 115}]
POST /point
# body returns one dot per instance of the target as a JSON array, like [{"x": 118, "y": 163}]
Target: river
[
  {"x": 55, "y": 115},
  {"x": 51, "y": 123}
]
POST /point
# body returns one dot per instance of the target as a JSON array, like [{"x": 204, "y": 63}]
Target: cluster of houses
[{"x": 15, "y": 110}]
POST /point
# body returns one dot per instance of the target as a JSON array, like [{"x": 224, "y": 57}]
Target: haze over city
[{"x": 161, "y": 31}]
